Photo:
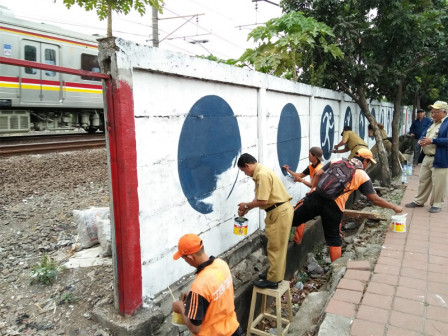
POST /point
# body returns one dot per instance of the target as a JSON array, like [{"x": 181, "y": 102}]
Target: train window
[
  {"x": 50, "y": 58},
  {"x": 30, "y": 55},
  {"x": 90, "y": 63}
]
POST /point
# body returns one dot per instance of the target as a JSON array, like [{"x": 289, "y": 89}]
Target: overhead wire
[
  {"x": 210, "y": 32},
  {"x": 189, "y": 38}
]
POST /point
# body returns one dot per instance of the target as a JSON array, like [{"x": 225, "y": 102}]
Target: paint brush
[{"x": 174, "y": 299}]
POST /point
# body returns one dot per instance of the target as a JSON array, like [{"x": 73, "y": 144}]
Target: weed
[
  {"x": 46, "y": 272},
  {"x": 303, "y": 277},
  {"x": 68, "y": 298}
]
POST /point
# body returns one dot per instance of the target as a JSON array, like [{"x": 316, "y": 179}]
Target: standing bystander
[
  {"x": 419, "y": 125},
  {"x": 434, "y": 170},
  {"x": 272, "y": 197}
]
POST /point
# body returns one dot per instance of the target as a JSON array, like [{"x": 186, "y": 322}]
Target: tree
[
  {"x": 104, "y": 8},
  {"x": 287, "y": 43},
  {"x": 384, "y": 43},
  {"x": 411, "y": 33}
]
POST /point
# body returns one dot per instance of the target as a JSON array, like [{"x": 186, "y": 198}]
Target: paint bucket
[
  {"x": 240, "y": 226},
  {"x": 399, "y": 223},
  {"x": 178, "y": 319}
]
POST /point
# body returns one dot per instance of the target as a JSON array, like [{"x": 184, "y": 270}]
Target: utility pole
[
  {"x": 155, "y": 28},
  {"x": 272, "y": 3}
]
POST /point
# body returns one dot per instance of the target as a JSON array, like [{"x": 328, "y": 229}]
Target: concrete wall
[{"x": 192, "y": 119}]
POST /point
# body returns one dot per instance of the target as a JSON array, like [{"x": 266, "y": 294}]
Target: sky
[{"x": 193, "y": 27}]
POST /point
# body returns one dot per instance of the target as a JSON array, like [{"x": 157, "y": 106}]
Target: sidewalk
[{"x": 407, "y": 291}]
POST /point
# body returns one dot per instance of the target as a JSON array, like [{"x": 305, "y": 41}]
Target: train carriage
[{"x": 42, "y": 99}]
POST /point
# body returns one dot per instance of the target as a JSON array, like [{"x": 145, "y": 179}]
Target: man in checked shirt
[{"x": 209, "y": 308}]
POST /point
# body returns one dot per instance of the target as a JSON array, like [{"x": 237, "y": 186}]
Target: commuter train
[{"x": 33, "y": 99}]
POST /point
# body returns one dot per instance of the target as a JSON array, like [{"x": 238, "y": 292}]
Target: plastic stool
[{"x": 283, "y": 288}]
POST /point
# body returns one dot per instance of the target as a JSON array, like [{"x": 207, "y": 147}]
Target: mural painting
[
  {"x": 327, "y": 126},
  {"x": 289, "y": 138},
  {"x": 362, "y": 125},
  {"x": 389, "y": 123},
  {"x": 348, "y": 117},
  {"x": 209, "y": 144}
]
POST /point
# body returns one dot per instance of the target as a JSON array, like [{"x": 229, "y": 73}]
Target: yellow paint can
[
  {"x": 178, "y": 319},
  {"x": 240, "y": 226}
]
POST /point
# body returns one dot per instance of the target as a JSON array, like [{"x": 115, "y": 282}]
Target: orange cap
[
  {"x": 188, "y": 244},
  {"x": 365, "y": 154}
]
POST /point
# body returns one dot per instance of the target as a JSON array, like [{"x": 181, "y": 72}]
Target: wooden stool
[{"x": 283, "y": 288}]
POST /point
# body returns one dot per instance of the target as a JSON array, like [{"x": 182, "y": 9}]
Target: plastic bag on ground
[
  {"x": 87, "y": 221},
  {"x": 104, "y": 237}
]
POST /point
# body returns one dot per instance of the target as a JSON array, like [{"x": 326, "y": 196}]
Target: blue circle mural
[
  {"x": 289, "y": 138},
  {"x": 327, "y": 131},
  {"x": 209, "y": 144},
  {"x": 389, "y": 122},
  {"x": 348, "y": 117},
  {"x": 362, "y": 125}
]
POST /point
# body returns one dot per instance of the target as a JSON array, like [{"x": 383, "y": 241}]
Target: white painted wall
[{"x": 165, "y": 87}]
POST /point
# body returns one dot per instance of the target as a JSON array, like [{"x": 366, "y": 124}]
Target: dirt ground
[{"x": 37, "y": 199}]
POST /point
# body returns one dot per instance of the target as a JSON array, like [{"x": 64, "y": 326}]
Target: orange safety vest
[
  {"x": 359, "y": 178},
  {"x": 314, "y": 170},
  {"x": 215, "y": 284}
]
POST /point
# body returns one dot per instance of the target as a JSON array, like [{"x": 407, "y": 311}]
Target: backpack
[{"x": 335, "y": 179}]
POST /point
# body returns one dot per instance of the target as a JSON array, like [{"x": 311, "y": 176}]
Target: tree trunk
[
  {"x": 385, "y": 179},
  {"x": 109, "y": 20},
  {"x": 396, "y": 166},
  {"x": 360, "y": 98}
]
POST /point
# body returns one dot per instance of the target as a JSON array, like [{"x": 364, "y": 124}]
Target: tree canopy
[
  {"x": 391, "y": 48},
  {"x": 289, "y": 43},
  {"x": 104, "y": 8}
]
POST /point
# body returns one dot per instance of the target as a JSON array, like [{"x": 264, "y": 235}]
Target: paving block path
[{"x": 407, "y": 291}]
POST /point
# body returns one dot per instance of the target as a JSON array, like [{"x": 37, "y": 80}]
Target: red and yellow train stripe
[
  {"x": 46, "y": 37},
  {"x": 35, "y": 84}
]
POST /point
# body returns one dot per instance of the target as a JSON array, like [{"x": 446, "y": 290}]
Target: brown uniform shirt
[
  {"x": 352, "y": 139},
  {"x": 269, "y": 187}
]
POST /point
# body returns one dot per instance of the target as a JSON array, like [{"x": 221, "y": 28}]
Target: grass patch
[{"x": 46, "y": 272}]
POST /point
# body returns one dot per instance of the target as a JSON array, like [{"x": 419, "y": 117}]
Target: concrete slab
[
  {"x": 88, "y": 258},
  {"x": 335, "y": 325}
]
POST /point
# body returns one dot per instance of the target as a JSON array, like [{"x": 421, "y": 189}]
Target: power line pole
[{"x": 155, "y": 28}]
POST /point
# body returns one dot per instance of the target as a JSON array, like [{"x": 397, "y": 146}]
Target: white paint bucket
[
  {"x": 240, "y": 226},
  {"x": 399, "y": 223}
]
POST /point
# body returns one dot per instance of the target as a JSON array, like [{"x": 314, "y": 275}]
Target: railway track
[{"x": 37, "y": 145}]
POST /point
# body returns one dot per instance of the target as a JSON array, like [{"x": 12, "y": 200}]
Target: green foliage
[
  {"x": 218, "y": 60},
  {"x": 303, "y": 277},
  {"x": 46, "y": 272},
  {"x": 68, "y": 298},
  {"x": 387, "y": 44},
  {"x": 102, "y": 7},
  {"x": 287, "y": 45}
]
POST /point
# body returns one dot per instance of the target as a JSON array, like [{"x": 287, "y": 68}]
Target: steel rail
[{"x": 48, "y": 147}]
